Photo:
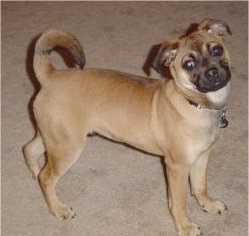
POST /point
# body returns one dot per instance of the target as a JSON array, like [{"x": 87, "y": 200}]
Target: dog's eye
[
  {"x": 189, "y": 65},
  {"x": 216, "y": 51}
]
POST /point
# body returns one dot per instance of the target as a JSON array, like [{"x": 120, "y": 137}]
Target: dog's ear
[
  {"x": 166, "y": 54},
  {"x": 213, "y": 26}
]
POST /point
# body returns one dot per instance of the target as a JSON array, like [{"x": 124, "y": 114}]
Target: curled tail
[{"x": 48, "y": 42}]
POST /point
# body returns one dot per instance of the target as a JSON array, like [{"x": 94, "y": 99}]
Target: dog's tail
[{"x": 49, "y": 41}]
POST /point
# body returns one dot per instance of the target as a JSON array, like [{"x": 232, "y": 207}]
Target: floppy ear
[
  {"x": 166, "y": 54},
  {"x": 215, "y": 26}
]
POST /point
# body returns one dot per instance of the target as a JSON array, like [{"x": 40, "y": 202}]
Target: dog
[{"x": 179, "y": 118}]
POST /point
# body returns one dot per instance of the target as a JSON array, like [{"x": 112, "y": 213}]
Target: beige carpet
[{"x": 116, "y": 190}]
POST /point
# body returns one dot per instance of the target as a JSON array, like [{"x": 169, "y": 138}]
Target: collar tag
[{"x": 223, "y": 122}]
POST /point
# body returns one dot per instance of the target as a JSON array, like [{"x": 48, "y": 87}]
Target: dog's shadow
[
  {"x": 32, "y": 78},
  {"x": 149, "y": 62}
]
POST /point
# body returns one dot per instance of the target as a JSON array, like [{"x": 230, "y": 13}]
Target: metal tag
[{"x": 223, "y": 122}]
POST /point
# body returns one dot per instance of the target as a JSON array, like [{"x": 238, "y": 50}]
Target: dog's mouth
[{"x": 213, "y": 79}]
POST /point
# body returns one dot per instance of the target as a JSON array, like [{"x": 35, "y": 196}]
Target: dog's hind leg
[
  {"x": 60, "y": 157},
  {"x": 32, "y": 151}
]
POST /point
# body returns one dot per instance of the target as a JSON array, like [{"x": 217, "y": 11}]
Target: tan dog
[{"x": 179, "y": 119}]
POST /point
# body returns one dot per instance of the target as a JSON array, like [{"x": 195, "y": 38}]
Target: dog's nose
[{"x": 211, "y": 74}]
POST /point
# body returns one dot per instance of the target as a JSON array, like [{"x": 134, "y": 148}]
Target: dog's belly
[{"x": 143, "y": 142}]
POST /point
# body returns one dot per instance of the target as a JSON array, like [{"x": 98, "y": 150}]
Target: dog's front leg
[
  {"x": 177, "y": 177},
  {"x": 198, "y": 180}
]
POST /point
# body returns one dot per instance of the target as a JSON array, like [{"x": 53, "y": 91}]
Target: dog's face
[{"x": 199, "y": 62}]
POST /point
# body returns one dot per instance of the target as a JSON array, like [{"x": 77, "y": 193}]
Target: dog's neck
[
  {"x": 198, "y": 100},
  {"x": 212, "y": 102}
]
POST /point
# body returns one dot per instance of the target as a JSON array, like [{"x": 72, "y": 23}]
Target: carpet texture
[{"x": 114, "y": 189}]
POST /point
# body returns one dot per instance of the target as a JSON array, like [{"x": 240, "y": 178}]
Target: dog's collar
[
  {"x": 205, "y": 108},
  {"x": 222, "y": 121}
]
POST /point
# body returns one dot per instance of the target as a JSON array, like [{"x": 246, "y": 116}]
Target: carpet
[{"x": 116, "y": 190}]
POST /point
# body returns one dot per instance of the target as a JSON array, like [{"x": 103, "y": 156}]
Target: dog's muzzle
[{"x": 213, "y": 79}]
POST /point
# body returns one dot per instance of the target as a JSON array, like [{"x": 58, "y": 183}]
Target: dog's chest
[{"x": 201, "y": 140}]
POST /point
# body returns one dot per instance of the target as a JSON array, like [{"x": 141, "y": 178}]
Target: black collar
[
  {"x": 205, "y": 108},
  {"x": 193, "y": 103}
]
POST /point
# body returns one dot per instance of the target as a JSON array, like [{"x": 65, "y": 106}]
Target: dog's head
[{"x": 199, "y": 62}]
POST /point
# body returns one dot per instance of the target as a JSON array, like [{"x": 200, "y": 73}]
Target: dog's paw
[
  {"x": 63, "y": 212},
  {"x": 214, "y": 207},
  {"x": 191, "y": 229}
]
